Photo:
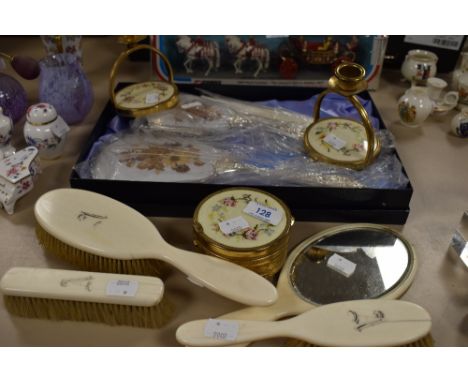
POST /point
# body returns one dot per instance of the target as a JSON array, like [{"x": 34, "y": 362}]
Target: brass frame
[
  {"x": 400, "y": 287},
  {"x": 347, "y": 86},
  {"x": 131, "y": 112}
]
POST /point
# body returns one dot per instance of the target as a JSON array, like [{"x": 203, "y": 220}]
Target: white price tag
[
  {"x": 335, "y": 142},
  {"x": 60, "y": 129},
  {"x": 233, "y": 225},
  {"x": 341, "y": 265},
  {"x": 126, "y": 288},
  {"x": 222, "y": 329},
  {"x": 446, "y": 42},
  {"x": 190, "y": 105},
  {"x": 267, "y": 214},
  {"x": 152, "y": 98}
]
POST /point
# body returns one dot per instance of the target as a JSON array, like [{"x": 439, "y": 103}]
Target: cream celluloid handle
[
  {"x": 222, "y": 277},
  {"x": 106, "y": 288},
  {"x": 349, "y": 323}
]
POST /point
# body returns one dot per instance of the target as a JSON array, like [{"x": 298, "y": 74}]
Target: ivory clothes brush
[
  {"x": 101, "y": 234},
  {"x": 348, "y": 323},
  {"x": 113, "y": 299}
]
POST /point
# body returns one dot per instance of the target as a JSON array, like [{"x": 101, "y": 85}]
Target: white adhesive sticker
[
  {"x": 60, "y": 129},
  {"x": 335, "y": 142},
  {"x": 267, "y": 214},
  {"x": 226, "y": 330},
  {"x": 127, "y": 288},
  {"x": 152, "y": 98},
  {"x": 447, "y": 42},
  {"x": 233, "y": 225},
  {"x": 341, "y": 265},
  {"x": 190, "y": 105}
]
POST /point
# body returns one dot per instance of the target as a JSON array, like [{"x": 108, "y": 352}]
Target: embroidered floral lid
[
  {"x": 339, "y": 139},
  {"x": 242, "y": 218},
  {"x": 145, "y": 94}
]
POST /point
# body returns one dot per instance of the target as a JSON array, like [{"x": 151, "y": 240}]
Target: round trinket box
[
  {"x": 247, "y": 226},
  {"x": 339, "y": 140},
  {"x": 143, "y": 98}
]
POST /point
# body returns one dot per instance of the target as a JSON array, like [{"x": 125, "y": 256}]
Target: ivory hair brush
[
  {"x": 97, "y": 233},
  {"x": 85, "y": 296},
  {"x": 348, "y": 323}
]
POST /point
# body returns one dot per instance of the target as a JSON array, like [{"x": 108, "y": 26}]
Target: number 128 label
[{"x": 267, "y": 214}]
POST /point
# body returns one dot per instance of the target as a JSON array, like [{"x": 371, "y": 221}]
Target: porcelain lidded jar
[
  {"x": 457, "y": 73},
  {"x": 45, "y": 130},
  {"x": 414, "y": 106},
  {"x": 419, "y": 65},
  {"x": 459, "y": 123},
  {"x": 6, "y": 126}
]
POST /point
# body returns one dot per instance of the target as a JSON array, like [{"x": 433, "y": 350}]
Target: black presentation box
[{"x": 390, "y": 206}]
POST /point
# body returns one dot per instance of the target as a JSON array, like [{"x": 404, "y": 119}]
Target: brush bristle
[
  {"x": 422, "y": 342},
  {"x": 112, "y": 314},
  {"x": 94, "y": 263}
]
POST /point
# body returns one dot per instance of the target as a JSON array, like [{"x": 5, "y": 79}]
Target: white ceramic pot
[
  {"x": 414, "y": 106},
  {"x": 419, "y": 65},
  {"x": 45, "y": 130},
  {"x": 463, "y": 89},
  {"x": 6, "y": 126},
  {"x": 459, "y": 71},
  {"x": 459, "y": 123}
]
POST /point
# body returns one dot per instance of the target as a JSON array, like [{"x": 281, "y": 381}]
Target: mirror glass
[{"x": 353, "y": 264}]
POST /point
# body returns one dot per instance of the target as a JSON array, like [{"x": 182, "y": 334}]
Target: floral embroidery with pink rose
[
  {"x": 219, "y": 213},
  {"x": 322, "y": 131}
]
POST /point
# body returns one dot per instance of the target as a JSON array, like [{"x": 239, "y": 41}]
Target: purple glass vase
[
  {"x": 64, "y": 84},
  {"x": 13, "y": 98}
]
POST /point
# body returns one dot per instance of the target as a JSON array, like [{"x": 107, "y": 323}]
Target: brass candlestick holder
[{"x": 339, "y": 140}]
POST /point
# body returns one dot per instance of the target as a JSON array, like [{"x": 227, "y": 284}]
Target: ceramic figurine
[
  {"x": 17, "y": 175},
  {"x": 419, "y": 65},
  {"x": 463, "y": 89},
  {"x": 415, "y": 106},
  {"x": 249, "y": 50},
  {"x": 6, "y": 126},
  {"x": 198, "y": 50},
  {"x": 45, "y": 130},
  {"x": 459, "y": 123},
  {"x": 443, "y": 102},
  {"x": 459, "y": 71}
]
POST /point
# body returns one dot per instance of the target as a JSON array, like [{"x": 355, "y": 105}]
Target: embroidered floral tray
[{"x": 344, "y": 204}]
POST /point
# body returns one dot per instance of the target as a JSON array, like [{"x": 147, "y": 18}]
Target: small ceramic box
[{"x": 17, "y": 174}]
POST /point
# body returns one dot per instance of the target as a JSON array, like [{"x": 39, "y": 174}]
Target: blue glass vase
[{"x": 64, "y": 84}]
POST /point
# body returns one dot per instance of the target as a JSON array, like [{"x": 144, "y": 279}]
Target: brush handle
[
  {"x": 283, "y": 307},
  {"x": 222, "y": 277},
  {"x": 349, "y": 323},
  {"x": 193, "y": 333},
  {"x": 105, "y": 288}
]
